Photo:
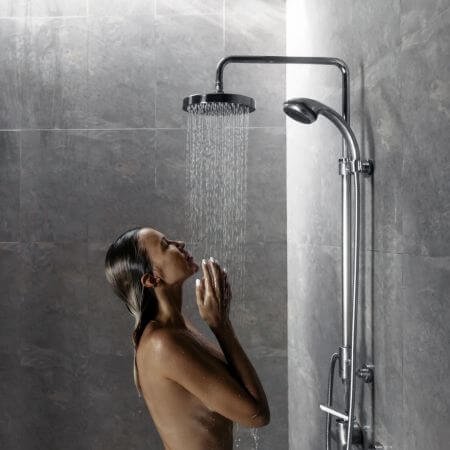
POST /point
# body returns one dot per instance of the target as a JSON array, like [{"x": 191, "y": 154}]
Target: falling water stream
[{"x": 216, "y": 182}]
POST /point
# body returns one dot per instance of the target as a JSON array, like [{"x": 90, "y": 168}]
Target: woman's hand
[{"x": 213, "y": 294}]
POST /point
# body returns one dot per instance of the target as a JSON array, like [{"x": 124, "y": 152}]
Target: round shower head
[
  {"x": 303, "y": 110},
  {"x": 206, "y": 101}
]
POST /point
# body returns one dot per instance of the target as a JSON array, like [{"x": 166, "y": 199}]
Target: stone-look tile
[
  {"x": 313, "y": 184},
  {"x": 269, "y": 367},
  {"x": 54, "y": 288},
  {"x": 9, "y": 185},
  {"x": 375, "y": 30},
  {"x": 11, "y": 295},
  {"x": 387, "y": 328},
  {"x": 314, "y": 333},
  {"x": 416, "y": 15},
  {"x": 187, "y": 51},
  {"x": 426, "y": 315},
  {"x": 121, "y": 8},
  {"x": 425, "y": 111},
  {"x": 11, "y": 35},
  {"x": 377, "y": 123},
  {"x": 121, "y": 79},
  {"x": 118, "y": 418},
  {"x": 197, "y": 7},
  {"x": 53, "y": 186},
  {"x": 170, "y": 180},
  {"x": 53, "y": 64},
  {"x": 43, "y": 371},
  {"x": 121, "y": 182},
  {"x": 42, "y": 405},
  {"x": 304, "y": 412},
  {"x": 257, "y": 29},
  {"x": 260, "y": 316},
  {"x": 266, "y": 185},
  {"x": 20, "y": 8}
]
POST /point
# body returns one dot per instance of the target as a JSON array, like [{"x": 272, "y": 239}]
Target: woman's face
[{"x": 171, "y": 262}]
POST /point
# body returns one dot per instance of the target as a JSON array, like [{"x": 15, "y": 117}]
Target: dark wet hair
[{"x": 125, "y": 263}]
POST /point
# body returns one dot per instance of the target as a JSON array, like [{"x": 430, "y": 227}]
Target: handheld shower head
[{"x": 306, "y": 110}]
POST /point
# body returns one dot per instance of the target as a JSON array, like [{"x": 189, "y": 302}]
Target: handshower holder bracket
[{"x": 364, "y": 166}]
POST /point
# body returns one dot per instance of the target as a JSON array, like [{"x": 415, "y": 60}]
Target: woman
[{"x": 193, "y": 389}]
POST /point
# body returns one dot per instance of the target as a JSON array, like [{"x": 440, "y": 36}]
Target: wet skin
[{"x": 192, "y": 391}]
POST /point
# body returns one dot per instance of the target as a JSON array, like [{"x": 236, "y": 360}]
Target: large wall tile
[
  {"x": 197, "y": 7},
  {"x": 11, "y": 35},
  {"x": 53, "y": 186},
  {"x": 9, "y": 185},
  {"x": 426, "y": 315},
  {"x": 121, "y": 182},
  {"x": 187, "y": 51},
  {"x": 425, "y": 110},
  {"x": 121, "y": 72},
  {"x": 121, "y": 8},
  {"x": 419, "y": 14},
  {"x": 53, "y": 80},
  {"x": 266, "y": 185},
  {"x": 18, "y": 8}
]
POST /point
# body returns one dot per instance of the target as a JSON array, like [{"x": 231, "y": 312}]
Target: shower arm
[{"x": 264, "y": 59}]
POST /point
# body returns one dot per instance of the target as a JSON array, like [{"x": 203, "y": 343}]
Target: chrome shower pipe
[{"x": 346, "y": 178}]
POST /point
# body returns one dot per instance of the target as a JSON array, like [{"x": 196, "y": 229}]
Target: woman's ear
[{"x": 149, "y": 280}]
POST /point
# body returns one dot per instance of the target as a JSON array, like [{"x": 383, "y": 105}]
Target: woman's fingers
[
  {"x": 216, "y": 277},
  {"x": 199, "y": 292},
  {"x": 207, "y": 277}
]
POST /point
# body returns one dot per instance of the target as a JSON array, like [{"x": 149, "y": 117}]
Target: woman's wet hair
[{"x": 125, "y": 263}]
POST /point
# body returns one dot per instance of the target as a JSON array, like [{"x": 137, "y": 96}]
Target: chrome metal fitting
[
  {"x": 344, "y": 362},
  {"x": 347, "y": 166},
  {"x": 366, "y": 373}
]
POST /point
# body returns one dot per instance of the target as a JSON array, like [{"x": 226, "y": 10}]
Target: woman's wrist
[{"x": 224, "y": 326}]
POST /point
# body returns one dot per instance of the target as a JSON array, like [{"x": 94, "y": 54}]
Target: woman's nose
[{"x": 181, "y": 244}]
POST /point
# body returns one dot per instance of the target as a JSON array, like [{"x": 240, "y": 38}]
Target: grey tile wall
[
  {"x": 398, "y": 55},
  {"x": 92, "y": 140}
]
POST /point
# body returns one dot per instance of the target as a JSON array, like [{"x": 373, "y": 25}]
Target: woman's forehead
[{"x": 151, "y": 236}]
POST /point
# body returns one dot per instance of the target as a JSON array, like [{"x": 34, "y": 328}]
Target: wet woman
[{"x": 193, "y": 389}]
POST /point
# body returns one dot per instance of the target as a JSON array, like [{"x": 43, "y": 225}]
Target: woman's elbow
[{"x": 261, "y": 419}]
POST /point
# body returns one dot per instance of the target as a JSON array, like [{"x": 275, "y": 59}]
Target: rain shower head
[{"x": 206, "y": 103}]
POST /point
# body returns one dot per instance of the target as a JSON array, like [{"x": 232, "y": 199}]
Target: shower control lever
[{"x": 333, "y": 412}]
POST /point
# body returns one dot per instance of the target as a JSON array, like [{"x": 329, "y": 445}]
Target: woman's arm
[
  {"x": 241, "y": 366},
  {"x": 175, "y": 355}
]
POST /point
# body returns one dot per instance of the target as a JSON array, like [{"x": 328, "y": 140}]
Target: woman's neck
[{"x": 170, "y": 302}]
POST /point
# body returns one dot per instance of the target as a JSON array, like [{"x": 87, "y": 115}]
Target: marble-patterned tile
[
  {"x": 9, "y": 185},
  {"x": 266, "y": 185},
  {"x": 121, "y": 182},
  {"x": 377, "y": 123},
  {"x": 416, "y": 15},
  {"x": 425, "y": 314},
  {"x": 30, "y": 8},
  {"x": 121, "y": 8},
  {"x": 387, "y": 330},
  {"x": 115, "y": 410},
  {"x": 194, "y": 7},
  {"x": 53, "y": 186},
  {"x": 186, "y": 62},
  {"x": 425, "y": 113},
  {"x": 53, "y": 78},
  {"x": 313, "y": 183},
  {"x": 375, "y": 30},
  {"x": 11, "y": 33},
  {"x": 121, "y": 79}
]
